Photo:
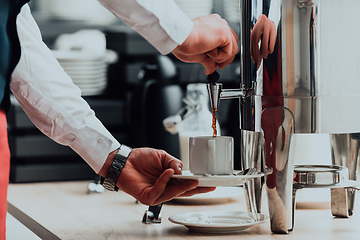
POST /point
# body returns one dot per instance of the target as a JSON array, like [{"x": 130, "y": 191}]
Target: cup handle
[{"x": 212, "y": 156}]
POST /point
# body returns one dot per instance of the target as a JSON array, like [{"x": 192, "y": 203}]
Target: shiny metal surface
[
  {"x": 345, "y": 152},
  {"x": 214, "y": 93},
  {"x": 291, "y": 76},
  {"x": 306, "y": 176},
  {"x": 153, "y": 214},
  {"x": 250, "y": 149},
  {"x": 334, "y": 177},
  {"x": 278, "y": 131},
  {"x": 291, "y": 53}
]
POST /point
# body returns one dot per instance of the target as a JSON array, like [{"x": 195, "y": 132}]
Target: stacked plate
[
  {"x": 195, "y": 8},
  {"x": 90, "y": 11},
  {"x": 88, "y": 72},
  {"x": 232, "y": 10}
]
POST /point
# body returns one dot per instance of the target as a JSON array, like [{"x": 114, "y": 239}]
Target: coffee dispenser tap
[{"x": 216, "y": 91}]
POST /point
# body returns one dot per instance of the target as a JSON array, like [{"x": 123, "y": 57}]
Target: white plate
[
  {"x": 70, "y": 56},
  {"x": 218, "y": 221},
  {"x": 94, "y": 77},
  {"x": 91, "y": 87},
  {"x": 94, "y": 92},
  {"x": 86, "y": 70},
  {"x": 82, "y": 64},
  {"x": 220, "y": 195},
  {"x": 90, "y": 84},
  {"x": 218, "y": 180}
]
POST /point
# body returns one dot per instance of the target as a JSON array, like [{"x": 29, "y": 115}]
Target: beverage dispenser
[{"x": 299, "y": 74}]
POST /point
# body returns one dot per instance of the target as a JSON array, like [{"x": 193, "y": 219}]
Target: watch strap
[{"x": 109, "y": 182}]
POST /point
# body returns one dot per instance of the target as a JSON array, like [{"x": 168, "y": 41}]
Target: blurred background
[{"x": 130, "y": 86}]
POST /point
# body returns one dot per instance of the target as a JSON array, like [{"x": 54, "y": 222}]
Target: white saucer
[
  {"x": 218, "y": 221},
  {"x": 219, "y": 195},
  {"x": 218, "y": 180}
]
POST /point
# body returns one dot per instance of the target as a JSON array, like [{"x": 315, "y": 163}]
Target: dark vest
[{"x": 9, "y": 46}]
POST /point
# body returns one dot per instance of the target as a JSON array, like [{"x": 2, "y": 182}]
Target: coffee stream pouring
[
  {"x": 283, "y": 91},
  {"x": 212, "y": 79}
]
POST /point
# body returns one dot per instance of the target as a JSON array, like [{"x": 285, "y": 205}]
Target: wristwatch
[{"x": 109, "y": 182}]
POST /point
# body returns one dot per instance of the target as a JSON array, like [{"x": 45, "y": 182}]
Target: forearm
[
  {"x": 160, "y": 22},
  {"x": 52, "y": 102}
]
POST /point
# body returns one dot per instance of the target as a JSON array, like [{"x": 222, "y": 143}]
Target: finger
[
  {"x": 235, "y": 40},
  {"x": 209, "y": 65},
  {"x": 236, "y": 37},
  {"x": 255, "y": 50},
  {"x": 254, "y": 41},
  {"x": 235, "y": 43},
  {"x": 226, "y": 49},
  {"x": 159, "y": 187},
  {"x": 173, "y": 163},
  {"x": 272, "y": 38},
  {"x": 224, "y": 64},
  {"x": 197, "y": 191},
  {"x": 251, "y": 47},
  {"x": 265, "y": 42},
  {"x": 177, "y": 166},
  {"x": 176, "y": 190},
  {"x": 223, "y": 52}
]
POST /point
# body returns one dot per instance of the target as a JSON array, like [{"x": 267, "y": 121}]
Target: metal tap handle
[{"x": 213, "y": 78}]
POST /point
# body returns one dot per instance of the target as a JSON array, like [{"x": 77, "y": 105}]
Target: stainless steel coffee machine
[{"x": 299, "y": 74}]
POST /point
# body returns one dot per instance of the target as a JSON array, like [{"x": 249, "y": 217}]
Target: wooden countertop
[{"x": 64, "y": 210}]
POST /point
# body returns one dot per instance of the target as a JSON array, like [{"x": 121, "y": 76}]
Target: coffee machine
[{"x": 299, "y": 74}]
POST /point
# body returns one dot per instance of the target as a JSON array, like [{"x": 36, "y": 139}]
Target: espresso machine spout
[{"x": 216, "y": 93}]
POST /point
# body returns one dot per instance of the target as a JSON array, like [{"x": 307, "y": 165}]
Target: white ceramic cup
[{"x": 211, "y": 155}]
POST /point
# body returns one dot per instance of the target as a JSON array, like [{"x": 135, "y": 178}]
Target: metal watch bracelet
[{"x": 109, "y": 182}]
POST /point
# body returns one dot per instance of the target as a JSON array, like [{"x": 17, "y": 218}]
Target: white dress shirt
[
  {"x": 160, "y": 22},
  {"x": 51, "y": 100}
]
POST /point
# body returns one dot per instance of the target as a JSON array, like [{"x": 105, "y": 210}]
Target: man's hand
[
  {"x": 147, "y": 177},
  {"x": 265, "y": 31},
  {"x": 211, "y": 42}
]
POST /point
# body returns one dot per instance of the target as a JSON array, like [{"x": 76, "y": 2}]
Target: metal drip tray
[{"x": 322, "y": 176}]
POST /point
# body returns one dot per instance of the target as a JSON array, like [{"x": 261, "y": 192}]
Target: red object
[
  {"x": 271, "y": 120},
  {"x": 4, "y": 172}
]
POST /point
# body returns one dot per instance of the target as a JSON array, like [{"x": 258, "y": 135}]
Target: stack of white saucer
[
  {"x": 195, "y": 8},
  {"x": 84, "y": 58},
  {"x": 87, "y": 71}
]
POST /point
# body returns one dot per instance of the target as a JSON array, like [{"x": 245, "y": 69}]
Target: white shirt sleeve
[
  {"x": 51, "y": 100},
  {"x": 160, "y": 22}
]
